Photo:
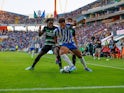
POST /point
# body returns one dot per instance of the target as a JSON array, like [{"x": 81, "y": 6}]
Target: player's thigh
[
  {"x": 63, "y": 50},
  {"x": 56, "y": 50},
  {"x": 77, "y": 53},
  {"x": 45, "y": 49}
]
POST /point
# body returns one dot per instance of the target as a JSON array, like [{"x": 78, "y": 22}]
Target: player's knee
[
  {"x": 79, "y": 56},
  {"x": 63, "y": 51}
]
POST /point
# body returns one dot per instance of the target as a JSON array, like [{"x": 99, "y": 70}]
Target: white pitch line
[
  {"x": 101, "y": 65},
  {"x": 106, "y": 66},
  {"x": 62, "y": 88}
]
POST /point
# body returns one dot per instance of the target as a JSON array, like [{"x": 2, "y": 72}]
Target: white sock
[
  {"x": 32, "y": 55},
  {"x": 83, "y": 62},
  {"x": 66, "y": 58}
]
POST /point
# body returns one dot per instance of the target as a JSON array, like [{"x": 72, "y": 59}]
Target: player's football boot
[
  {"x": 29, "y": 68},
  {"x": 88, "y": 69}
]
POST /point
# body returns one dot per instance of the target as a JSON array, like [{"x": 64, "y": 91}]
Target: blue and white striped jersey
[{"x": 64, "y": 35}]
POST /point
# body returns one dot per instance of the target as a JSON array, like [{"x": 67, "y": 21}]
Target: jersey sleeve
[
  {"x": 56, "y": 32},
  {"x": 73, "y": 32}
]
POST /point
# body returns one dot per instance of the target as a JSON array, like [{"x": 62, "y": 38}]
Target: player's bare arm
[{"x": 40, "y": 32}]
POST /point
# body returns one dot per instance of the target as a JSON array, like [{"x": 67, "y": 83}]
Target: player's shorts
[
  {"x": 70, "y": 46},
  {"x": 31, "y": 49},
  {"x": 46, "y": 48}
]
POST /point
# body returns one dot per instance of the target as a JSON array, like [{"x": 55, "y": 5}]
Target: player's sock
[
  {"x": 74, "y": 59},
  {"x": 60, "y": 65},
  {"x": 58, "y": 61},
  {"x": 32, "y": 55},
  {"x": 66, "y": 58},
  {"x": 83, "y": 62}
]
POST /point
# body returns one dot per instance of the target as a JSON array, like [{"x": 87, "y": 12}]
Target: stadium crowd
[
  {"x": 97, "y": 3},
  {"x": 18, "y": 39},
  {"x": 97, "y": 29},
  {"x": 85, "y": 35},
  {"x": 13, "y": 18}
]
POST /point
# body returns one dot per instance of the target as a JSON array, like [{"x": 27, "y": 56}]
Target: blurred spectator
[
  {"x": 106, "y": 51},
  {"x": 116, "y": 52},
  {"x": 98, "y": 49}
]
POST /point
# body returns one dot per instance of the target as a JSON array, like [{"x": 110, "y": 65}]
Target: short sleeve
[
  {"x": 73, "y": 32},
  {"x": 56, "y": 32}
]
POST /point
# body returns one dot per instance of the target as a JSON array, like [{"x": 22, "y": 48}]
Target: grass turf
[{"x": 46, "y": 74}]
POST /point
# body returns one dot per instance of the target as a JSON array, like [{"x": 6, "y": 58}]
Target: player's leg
[
  {"x": 79, "y": 55},
  {"x": 99, "y": 52},
  {"x": 95, "y": 53},
  {"x": 58, "y": 58},
  {"x": 73, "y": 59},
  {"x": 32, "y": 52},
  {"x": 44, "y": 50},
  {"x": 63, "y": 51}
]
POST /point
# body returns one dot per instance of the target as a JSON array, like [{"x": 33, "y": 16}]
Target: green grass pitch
[{"x": 107, "y": 76}]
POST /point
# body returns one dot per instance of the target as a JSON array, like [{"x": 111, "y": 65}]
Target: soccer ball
[{"x": 66, "y": 69}]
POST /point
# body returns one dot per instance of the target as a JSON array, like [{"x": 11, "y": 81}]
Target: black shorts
[{"x": 46, "y": 48}]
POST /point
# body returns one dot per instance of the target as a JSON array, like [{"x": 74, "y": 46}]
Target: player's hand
[{"x": 40, "y": 28}]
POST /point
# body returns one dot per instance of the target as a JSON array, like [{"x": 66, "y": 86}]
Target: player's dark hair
[
  {"x": 49, "y": 19},
  {"x": 61, "y": 20},
  {"x": 69, "y": 19}
]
